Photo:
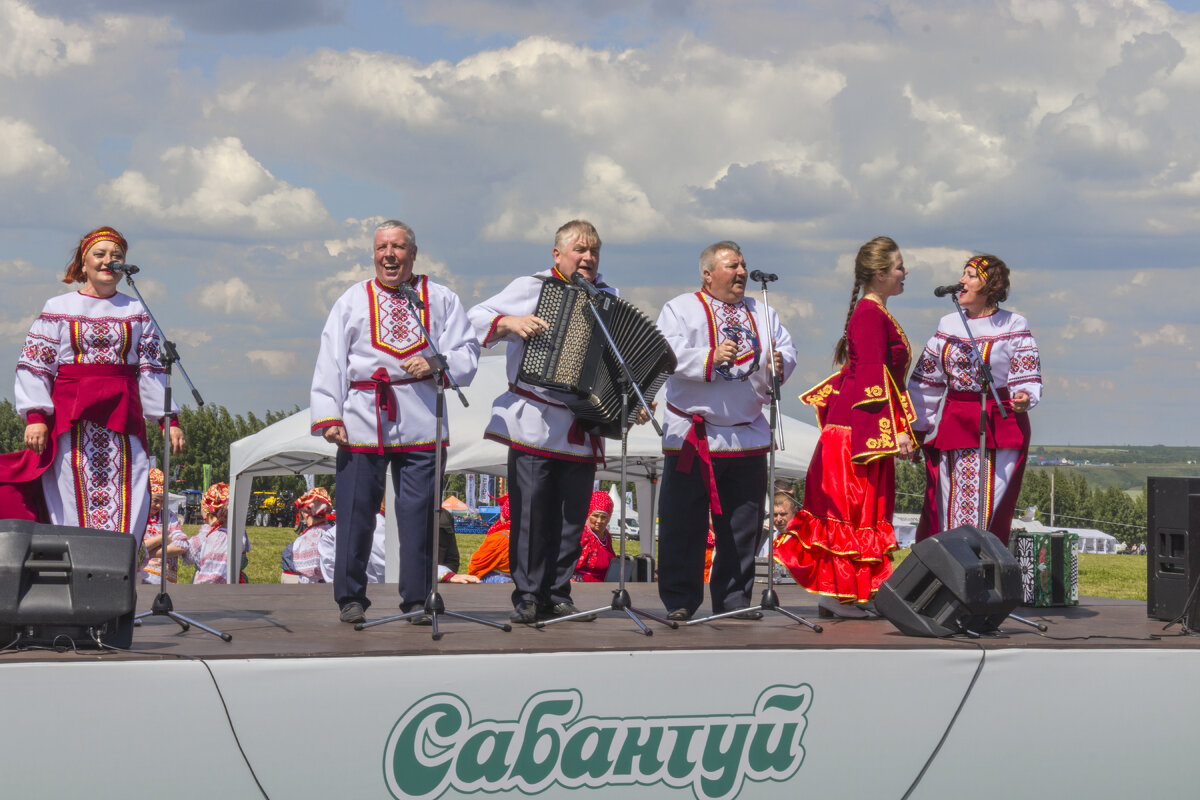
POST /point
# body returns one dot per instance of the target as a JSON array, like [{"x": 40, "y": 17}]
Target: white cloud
[
  {"x": 273, "y": 362},
  {"x": 216, "y": 187},
  {"x": 234, "y": 297},
  {"x": 1087, "y": 327},
  {"x": 606, "y": 196},
  {"x": 23, "y": 151},
  {"x": 1171, "y": 335}
]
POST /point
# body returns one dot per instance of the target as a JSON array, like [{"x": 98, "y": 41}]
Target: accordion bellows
[{"x": 572, "y": 356}]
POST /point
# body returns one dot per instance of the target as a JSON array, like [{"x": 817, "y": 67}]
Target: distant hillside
[{"x": 1124, "y": 467}]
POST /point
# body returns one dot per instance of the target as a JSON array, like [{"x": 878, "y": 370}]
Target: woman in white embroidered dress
[
  {"x": 948, "y": 368},
  {"x": 88, "y": 379}
]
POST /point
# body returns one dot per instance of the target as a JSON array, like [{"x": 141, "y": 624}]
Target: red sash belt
[
  {"x": 385, "y": 398},
  {"x": 576, "y": 435},
  {"x": 696, "y": 444}
]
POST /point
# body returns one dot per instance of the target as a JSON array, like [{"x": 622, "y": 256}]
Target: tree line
[{"x": 1076, "y": 504}]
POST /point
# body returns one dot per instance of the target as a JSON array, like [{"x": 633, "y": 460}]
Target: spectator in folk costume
[
  {"x": 839, "y": 544},
  {"x": 373, "y": 396},
  {"x": 715, "y": 436},
  {"x": 302, "y": 558},
  {"x": 449, "y": 559},
  {"x": 947, "y": 368},
  {"x": 88, "y": 379},
  {"x": 596, "y": 550},
  {"x": 152, "y": 570},
  {"x": 208, "y": 550},
  {"x": 489, "y": 562},
  {"x": 551, "y": 462}
]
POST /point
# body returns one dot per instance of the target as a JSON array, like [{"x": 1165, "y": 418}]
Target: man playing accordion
[{"x": 551, "y": 462}]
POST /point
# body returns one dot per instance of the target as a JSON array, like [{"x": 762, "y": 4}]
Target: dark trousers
[
  {"x": 683, "y": 531},
  {"x": 360, "y": 489},
  {"x": 548, "y": 505}
]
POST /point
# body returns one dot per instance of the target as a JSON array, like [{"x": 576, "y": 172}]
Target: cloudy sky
[{"x": 247, "y": 149}]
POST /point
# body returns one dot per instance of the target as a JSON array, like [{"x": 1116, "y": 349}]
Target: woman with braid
[{"x": 838, "y": 544}]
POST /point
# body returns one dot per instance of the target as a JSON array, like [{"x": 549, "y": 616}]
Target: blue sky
[{"x": 248, "y": 148}]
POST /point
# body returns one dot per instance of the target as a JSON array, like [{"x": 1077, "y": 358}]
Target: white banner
[
  {"x": 472, "y": 505},
  {"x": 485, "y": 490}
]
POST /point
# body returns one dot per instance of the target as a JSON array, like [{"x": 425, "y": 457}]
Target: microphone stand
[
  {"x": 770, "y": 598},
  {"x": 986, "y": 384},
  {"x": 621, "y": 602},
  {"x": 434, "y": 606},
  {"x": 162, "y": 605}
]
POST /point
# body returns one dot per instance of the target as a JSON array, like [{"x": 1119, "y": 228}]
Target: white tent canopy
[{"x": 287, "y": 448}]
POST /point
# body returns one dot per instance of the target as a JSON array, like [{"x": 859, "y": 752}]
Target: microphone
[
  {"x": 763, "y": 277},
  {"x": 410, "y": 294},
  {"x": 122, "y": 267},
  {"x": 953, "y": 288},
  {"x": 585, "y": 284}
]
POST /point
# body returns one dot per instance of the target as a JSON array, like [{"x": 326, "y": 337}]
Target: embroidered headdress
[
  {"x": 215, "y": 500},
  {"x": 156, "y": 482},
  {"x": 316, "y": 502}
]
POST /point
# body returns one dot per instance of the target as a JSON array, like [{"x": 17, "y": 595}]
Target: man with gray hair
[
  {"x": 373, "y": 396},
  {"x": 551, "y": 463},
  {"x": 715, "y": 437}
]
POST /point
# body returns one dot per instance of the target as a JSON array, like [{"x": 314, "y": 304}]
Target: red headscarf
[{"x": 601, "y": 501}]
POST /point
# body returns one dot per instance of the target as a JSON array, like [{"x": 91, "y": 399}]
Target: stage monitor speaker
[
  {"x": 959, "y": 581},
  {"x": 1172, "y": 545},
  {"x": 61, "y": 586}
]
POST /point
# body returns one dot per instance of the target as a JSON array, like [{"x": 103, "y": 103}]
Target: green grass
[{"x": 1119, "y": 577}]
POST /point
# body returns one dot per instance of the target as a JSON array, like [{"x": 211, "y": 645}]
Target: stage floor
[{"x": 289, "y": 621}]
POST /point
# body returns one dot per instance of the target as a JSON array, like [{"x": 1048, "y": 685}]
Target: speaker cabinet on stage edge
[
  {"x": 1172, "y": 546},
  {"x": 959, "y": 581},
  {"x": 63, "y": 586}
]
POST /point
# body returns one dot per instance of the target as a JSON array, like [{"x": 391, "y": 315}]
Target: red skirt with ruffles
[{"x": 839, "y": 543}]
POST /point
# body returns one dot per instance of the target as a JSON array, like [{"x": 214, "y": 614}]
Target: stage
[{"x": 299, "y": 704}]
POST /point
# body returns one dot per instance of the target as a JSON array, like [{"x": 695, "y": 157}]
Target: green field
[{"x": 1120, "y": 577}]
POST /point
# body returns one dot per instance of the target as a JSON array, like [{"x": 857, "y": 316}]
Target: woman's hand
[
  {"x": 37, "y": 434},
  {"x": 905, "y": 443},
  {"x": 176, "y": 440},
  {"x": 1020, "y": 402}
]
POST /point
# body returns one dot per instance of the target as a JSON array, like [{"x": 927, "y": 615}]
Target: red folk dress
[{"x": 838, "y": 544}]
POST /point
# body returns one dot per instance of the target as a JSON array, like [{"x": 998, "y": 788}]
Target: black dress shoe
[
  {"x": 679, "y": 615},
  {"x": 749, "y": 613},
  {"x": 525, "y": 613},
  {"x": 352, "y": 612},
  {"x": 567, "y": 608}
]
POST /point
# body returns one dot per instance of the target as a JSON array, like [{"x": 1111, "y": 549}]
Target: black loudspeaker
[
  {"x": 1172, "y": 545},
  {"x": 61, "y": 585},
  {"x": 959, "y": 581}
]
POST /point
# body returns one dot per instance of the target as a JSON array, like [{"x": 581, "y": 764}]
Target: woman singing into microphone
[
  {"x": 88, "y": 378},
  {"x": 948, "y": 367}
]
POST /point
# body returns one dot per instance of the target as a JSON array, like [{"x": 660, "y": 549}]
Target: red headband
[
  {"x": 601, "y": 502},
  {"x": 979, "y": 263}
]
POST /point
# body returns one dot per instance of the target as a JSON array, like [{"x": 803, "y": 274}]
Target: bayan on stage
[
  {"x": 88, "y": 379},
  {"x": 948, "y": 368}
]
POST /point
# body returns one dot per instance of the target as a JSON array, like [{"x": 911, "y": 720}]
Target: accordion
[{"x": 572, "y": 356}]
